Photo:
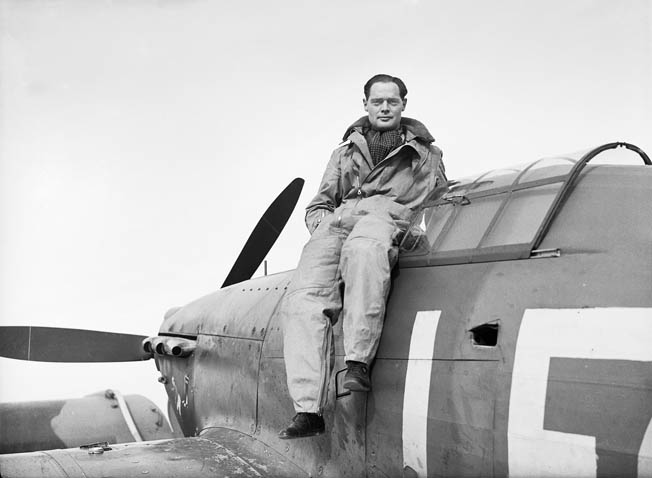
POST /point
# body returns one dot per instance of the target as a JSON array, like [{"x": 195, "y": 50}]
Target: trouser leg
[
  {"x": 310, "y": 306},
  {"x": 368, "y": 255}
]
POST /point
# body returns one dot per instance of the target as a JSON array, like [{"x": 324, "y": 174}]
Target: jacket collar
[
  {"x": 417, "y": 137},
  {"x": 414, "y": 129}
]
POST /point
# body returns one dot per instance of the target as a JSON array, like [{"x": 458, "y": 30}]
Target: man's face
[{"x": 384, "y": 106}]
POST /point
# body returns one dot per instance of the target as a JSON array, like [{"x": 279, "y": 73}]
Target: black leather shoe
[
  {"x": 303, "y": 425},
  {"x": 357, "y": 378}
]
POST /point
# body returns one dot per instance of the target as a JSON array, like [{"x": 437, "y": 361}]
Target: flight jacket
[{"x": 397, "y": 185}]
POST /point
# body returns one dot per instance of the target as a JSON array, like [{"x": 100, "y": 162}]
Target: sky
[{"x": 141, "y": 140}]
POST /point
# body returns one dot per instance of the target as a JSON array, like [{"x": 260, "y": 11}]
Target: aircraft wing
[{"x": 218, "y": 452}]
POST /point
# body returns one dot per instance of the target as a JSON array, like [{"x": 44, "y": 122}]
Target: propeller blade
[
  {"x": 50, "y": 344},
  {"x": 265, "y": 233}
]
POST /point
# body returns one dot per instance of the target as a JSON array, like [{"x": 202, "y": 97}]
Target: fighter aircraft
[{"x": 516, "y": 343}]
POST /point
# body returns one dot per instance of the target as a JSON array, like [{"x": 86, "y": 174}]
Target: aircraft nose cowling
[
  {"x": 241, "y": 311},
  {"x": 171, "y": 311}
]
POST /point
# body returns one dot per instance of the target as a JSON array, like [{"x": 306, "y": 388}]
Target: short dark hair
[{"x": 382, "y": 78}]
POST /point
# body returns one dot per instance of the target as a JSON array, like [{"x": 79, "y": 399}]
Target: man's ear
[
  {"x": 364, "y": 102},
  {"x": 404, "y": 103}
]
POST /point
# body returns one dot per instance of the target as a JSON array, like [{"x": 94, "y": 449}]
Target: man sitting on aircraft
[{"x": 374, "y": 184}]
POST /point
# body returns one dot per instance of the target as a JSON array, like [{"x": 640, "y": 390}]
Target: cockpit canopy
[{"x": 500, "y": 215}]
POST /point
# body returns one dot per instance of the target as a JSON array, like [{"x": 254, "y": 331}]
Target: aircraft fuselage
[{"x": 485, "y": 368}]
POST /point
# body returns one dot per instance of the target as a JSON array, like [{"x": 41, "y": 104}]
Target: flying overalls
[{"x": 356, "y": 219}]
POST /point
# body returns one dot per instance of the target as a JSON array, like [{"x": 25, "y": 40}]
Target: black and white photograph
[{"x": 374, "y": 238}]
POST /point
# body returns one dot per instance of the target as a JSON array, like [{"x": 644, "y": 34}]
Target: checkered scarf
[{"x": 381, "y": 143}]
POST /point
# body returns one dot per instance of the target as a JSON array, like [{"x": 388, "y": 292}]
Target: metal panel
[
  {"x": 222, "y": 312},
  {"x": 340, "y": 452},
  {"x": 177, "y": 376},
  {"x": 225, "y": 382},
  {"x": 201, "y": 388},
  {"x": 607, "y": 399},
  {"x": 460, "y": 419},
  {"x": 337, "y": 453},
  {"x": 456, "y": 291},
  {"x": 218, "y": 453}
]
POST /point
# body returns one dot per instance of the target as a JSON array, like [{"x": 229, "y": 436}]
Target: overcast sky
[{"x": 141, "y": 140}]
